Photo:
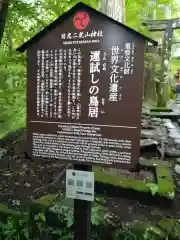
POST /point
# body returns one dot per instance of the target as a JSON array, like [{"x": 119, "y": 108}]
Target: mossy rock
[
  {"x": 164, "y": 187},
  {"x": 160, "y": 109},
  {"x": 165, "y": 182},
  {"x": 120, "y": 181},
  {"x": 153, "y": 163}
]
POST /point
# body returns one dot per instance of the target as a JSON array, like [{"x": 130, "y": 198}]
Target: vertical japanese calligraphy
[
  {"x": 114, "y": 75},
  {"x": 52, "y": 66},
  {"x": 69, "y": 103},
  {"x": 129, "y": 58},
  {"x": 94, "y": 88},
  {"x": 74, "y": 83},
  {"x": 104, "y": 65},
  {"x": 49, "y": 81},
  {"x": 79, "y": 80},
  {"x": 60, "y": 76},
  {"x": 38, "y": 96}
]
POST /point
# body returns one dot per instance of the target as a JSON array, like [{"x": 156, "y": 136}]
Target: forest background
[{"x": 24, "y": 18}]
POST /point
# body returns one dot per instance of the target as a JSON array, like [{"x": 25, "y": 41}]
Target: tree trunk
[
  {"x": 113, "y": 8},
  {"x": 149, "y": 84},
  {"x": 149, "y": 75},
  {"x": 3, "y": 15},
  {"x": 165, "y": 66},
  {"x": 162, "y": 87}
]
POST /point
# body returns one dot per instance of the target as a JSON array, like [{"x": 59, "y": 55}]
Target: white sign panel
[{"x": 80, "y": 185}]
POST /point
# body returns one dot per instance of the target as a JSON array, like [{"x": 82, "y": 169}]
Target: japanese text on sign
[
  {"x": 129, "y": 58},
  {"x": 49, "y": 81},
  {"x": 114, "y": 75},
  {"x": 94, "y": 88},
  {"x": 82, "y": 35}
]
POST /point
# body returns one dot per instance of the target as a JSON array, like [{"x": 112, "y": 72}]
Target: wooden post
[{"x": 82, "y": 213}]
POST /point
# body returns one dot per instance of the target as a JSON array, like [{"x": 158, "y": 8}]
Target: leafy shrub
[
  {"x": 56, "y": 222},
  {"x": 12, "y": 91}
]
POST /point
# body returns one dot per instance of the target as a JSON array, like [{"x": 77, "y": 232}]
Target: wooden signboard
[{"x": 84, "y": 90}]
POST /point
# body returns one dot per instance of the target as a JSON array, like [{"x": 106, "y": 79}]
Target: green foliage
[
  {"x": 12, "y": 92},
  {"x": 124, "y": 234},
  {"x": 25, "y": 18},
  {"x": 56, "y": 222},
  {"x": 137, "y": 11},
  {"x": 171, "y": 93},
  {"x": 14, "y": 228},
  {"x": 175, "y": 63}
]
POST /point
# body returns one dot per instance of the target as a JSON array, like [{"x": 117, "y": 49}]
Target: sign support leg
[{"x": 82, "y": 213}]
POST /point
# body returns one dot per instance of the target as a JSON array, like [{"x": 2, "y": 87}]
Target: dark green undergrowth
[{"x": 54, "y": 220}]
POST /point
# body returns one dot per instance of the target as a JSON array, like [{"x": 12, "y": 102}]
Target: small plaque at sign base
[{"x": 80, "y": 185}]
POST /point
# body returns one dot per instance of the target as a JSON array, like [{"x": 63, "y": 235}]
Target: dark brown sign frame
[{"x": 84, "y": 90}]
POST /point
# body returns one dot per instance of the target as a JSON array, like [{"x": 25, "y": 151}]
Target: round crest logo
[{"x": 81, "y": 20}]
